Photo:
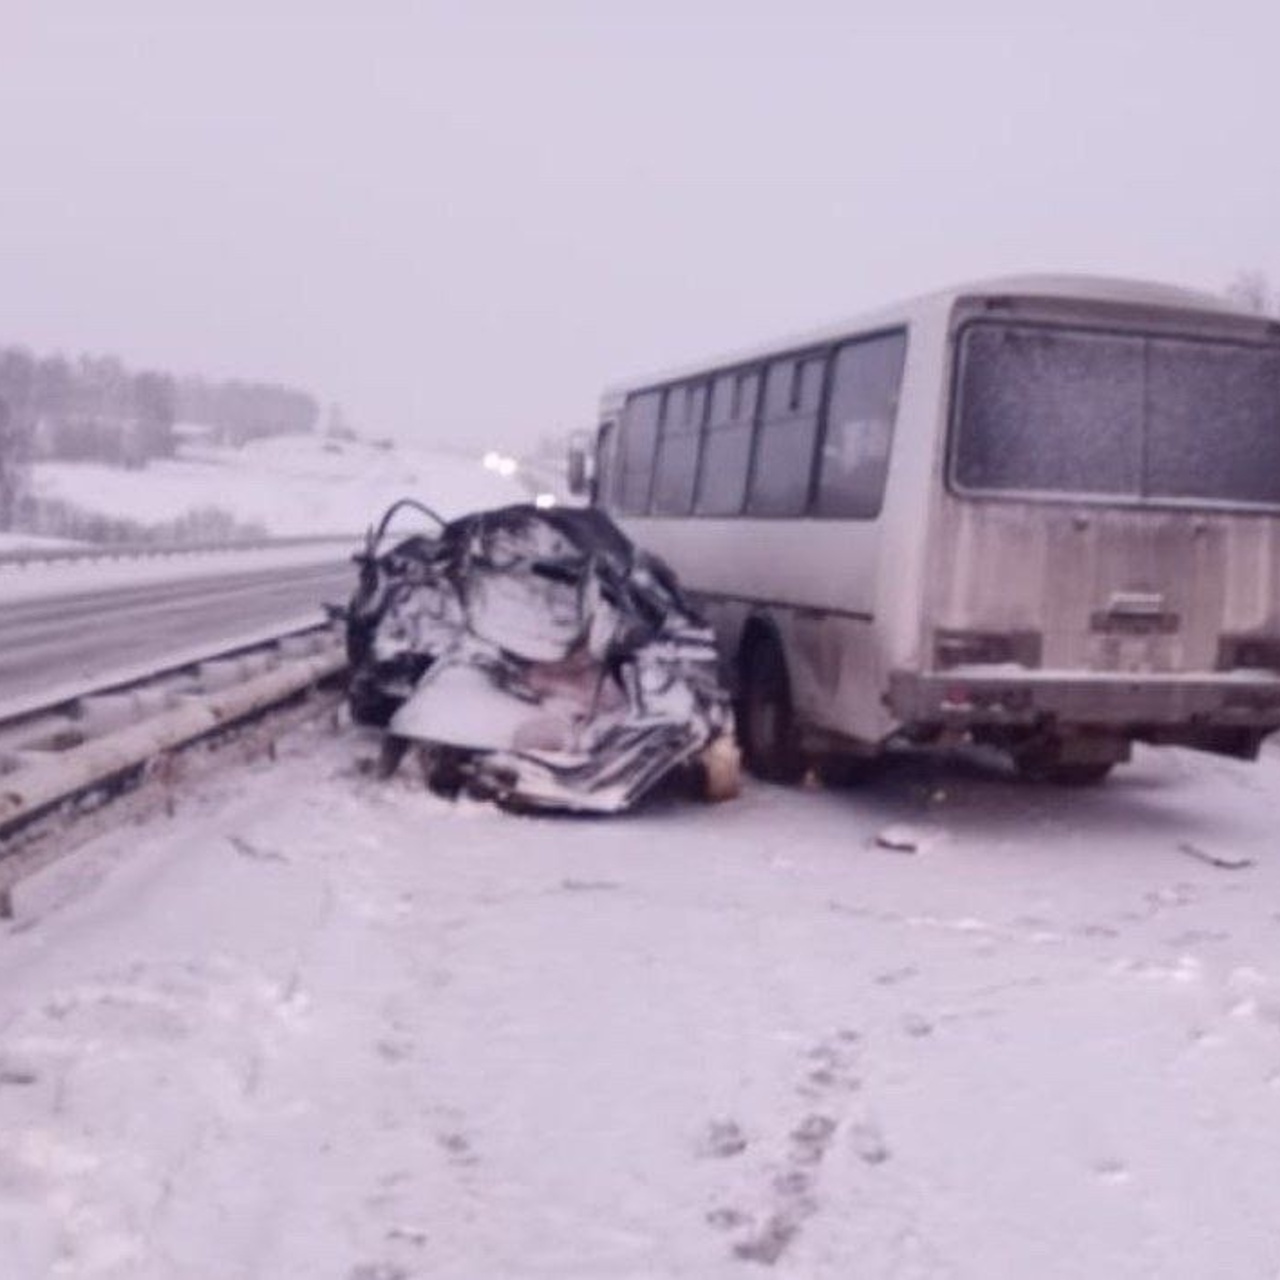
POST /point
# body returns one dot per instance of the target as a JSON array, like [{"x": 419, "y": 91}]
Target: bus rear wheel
[
  {"x": 1045, "y": 764},
  {"x": 841, "y": 772},
  {"x": 767, "y": 717},
  {"x": 1071, "y": 775}
]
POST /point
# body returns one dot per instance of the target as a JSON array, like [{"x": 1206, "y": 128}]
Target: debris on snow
[
  {"x": 255, "y": 853},
  {"x": 1214, "y": 859},
  {"x": 900, "y": 838},
  {"x": 538, "y": 659}
]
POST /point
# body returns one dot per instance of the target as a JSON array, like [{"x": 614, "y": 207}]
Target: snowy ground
[
  {"x": 289, "y": 485},
  {"x": 322, "y": 1026}
]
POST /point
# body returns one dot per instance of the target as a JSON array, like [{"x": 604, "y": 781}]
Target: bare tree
[{"x": 13, "y": 464}]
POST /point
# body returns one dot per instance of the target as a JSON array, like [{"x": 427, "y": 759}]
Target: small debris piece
[
  {"x": 898, "y": 839},
  {"x": 411, "y": 1235},
  {"x": 1214, "y": 859},
  {"x": 247, "y": 849}
]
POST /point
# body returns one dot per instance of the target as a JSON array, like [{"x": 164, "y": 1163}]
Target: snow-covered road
[
  {"x": 56, "y": 647},
  {"x": 322, "y": 1026}
]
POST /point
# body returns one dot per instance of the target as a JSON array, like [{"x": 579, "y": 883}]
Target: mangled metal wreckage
[{"x": 538, "y": 659}]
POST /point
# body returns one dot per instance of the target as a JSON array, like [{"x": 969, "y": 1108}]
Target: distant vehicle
[{"x": 1038, "y": 513}]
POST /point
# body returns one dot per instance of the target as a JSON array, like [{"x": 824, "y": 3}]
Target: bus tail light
[{"x": 1250, "y": 653}]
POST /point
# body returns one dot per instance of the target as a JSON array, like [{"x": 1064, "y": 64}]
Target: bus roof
[{"x": 1106, "y": 289}]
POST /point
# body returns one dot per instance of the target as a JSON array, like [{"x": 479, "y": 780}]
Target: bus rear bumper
[{"x": 1122, "y": 701}]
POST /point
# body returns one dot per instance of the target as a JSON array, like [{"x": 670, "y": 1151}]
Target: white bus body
[{"x": 1040, "y": 513}]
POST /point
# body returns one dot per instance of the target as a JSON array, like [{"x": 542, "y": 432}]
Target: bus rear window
[{"x": 1065, "y": 411}]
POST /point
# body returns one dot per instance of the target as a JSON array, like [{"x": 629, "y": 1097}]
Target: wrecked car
[{"x": 536, "y": 658}]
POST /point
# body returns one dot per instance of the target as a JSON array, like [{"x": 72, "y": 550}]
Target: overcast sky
[{"x": 461, "y": 219}]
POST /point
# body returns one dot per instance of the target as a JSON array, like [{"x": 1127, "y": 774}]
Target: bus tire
[
  {"x": 1077, "y": 775},
  {"x": 1043, "y": 767},
  {"x": 766, "y": 716},
  {"x": 841, "y": 772}
]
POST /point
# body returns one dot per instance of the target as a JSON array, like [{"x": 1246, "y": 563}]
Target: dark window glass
[
  {"x": 639, "y": 440},
  {"x": 779, "y": 381},
  {"x": 784, "y": 448},
  {"x": 1050, "y": 410},
  {"x": 674, "y": 408},
  {"x": 865, "y": 382},
  {"x": 696, "y": 406},
  {"x": 1214, "y": 421},
  {"x": 722, "y": 478},
  {"x": 677, "y": 465},
  {"x": 807, "y": 393},
  {"x": 674, "y": 477},
  {"x": 722, "y": 399},
  {"x": 606, "y": 465},
  {"x": 783, "y": 466},
  {"x": 746, "y": 394}
]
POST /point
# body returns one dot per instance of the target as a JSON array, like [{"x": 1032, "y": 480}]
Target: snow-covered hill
[{"x": 288, "y": 485}]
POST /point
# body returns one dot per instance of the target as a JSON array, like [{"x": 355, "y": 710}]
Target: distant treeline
[
  {"x": 54, "y": 518},
  {"x": 94, "y": 407}
]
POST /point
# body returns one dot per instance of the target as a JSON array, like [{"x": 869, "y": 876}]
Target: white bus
[{"x": 1038, "y": 513}]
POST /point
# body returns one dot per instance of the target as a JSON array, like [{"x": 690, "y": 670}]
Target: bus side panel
[
  {"x": 845, "y": 596},
  {"x": 812, "y": 581},
  {"x": 838, "y": 675},
  {"x": 907, "y": 531}
]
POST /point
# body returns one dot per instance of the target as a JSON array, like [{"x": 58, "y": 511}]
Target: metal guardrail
[
  {"x": 53, "y": 758},
  {"x": 36, "y": 786},
  {"x": 147, "y": 550}
]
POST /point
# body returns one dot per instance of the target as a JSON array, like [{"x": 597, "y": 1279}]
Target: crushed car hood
[{"x": 537, "y": 657}]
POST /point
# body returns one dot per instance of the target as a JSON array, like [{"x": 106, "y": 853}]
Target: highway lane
[{"x": 52, "y": 642}]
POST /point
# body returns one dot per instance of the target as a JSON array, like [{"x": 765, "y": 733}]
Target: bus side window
[
  {"x": 787, "y": 437},
  {"x": 865, "y": 384},
  {"x": 726, "y": 446},
  {"x": 605, "y": 487},
  {"x": 677, "y": 467},
  {"x": 635, "y": 456}
]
